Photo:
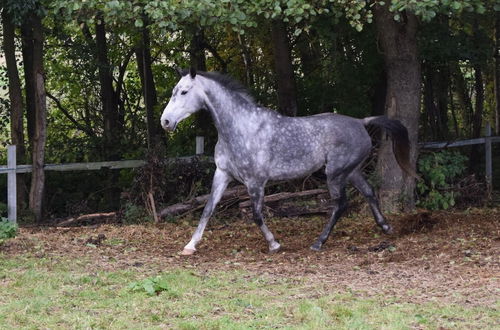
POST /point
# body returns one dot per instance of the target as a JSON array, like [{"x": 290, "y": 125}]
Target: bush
[
  {"x": 440, "y": 172},
  {"x": 8, "y": 229}
]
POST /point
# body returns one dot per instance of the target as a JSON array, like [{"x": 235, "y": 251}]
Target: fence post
[
  {"x": 488, "y": 158},
  {"x": 200, "y": 145},
  {"x": 11, "y": 184}
]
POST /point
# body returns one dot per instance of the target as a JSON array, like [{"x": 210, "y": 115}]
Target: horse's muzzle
[{"x": 168, "y": 125}]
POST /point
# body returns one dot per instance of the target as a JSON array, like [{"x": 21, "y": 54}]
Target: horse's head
[{"x": 187, "y": 98}]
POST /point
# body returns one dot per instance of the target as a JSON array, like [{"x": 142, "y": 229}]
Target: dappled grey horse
[{"x": 256, "y": 144}]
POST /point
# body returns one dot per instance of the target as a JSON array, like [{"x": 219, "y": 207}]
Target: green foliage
[
  {"x": 8, "y": 229},
  {"x": 3, "y": 209},
  {"x": 439, "y": 171},
  {"x": 154, "y": 286},
  {"x": 133, "y": 214}
]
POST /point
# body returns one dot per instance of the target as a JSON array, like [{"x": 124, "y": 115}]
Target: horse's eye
[{"x": 184, "y": 92}]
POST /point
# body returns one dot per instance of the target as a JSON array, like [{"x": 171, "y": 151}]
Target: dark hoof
[
  {"x": 316, "y": 247},
  {"x": 387, "y": 229}
]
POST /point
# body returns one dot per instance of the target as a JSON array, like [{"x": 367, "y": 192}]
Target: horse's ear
[
  {"x": 192, "y": 72},
  {"x": 179, "y": 71}
]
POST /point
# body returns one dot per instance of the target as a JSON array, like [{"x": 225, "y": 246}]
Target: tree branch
[{"x": 82, "y": 128}]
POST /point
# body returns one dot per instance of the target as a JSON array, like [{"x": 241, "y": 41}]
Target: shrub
[
  {"x": 440, "y": 172},
  {"x": 8, "y": 229}
]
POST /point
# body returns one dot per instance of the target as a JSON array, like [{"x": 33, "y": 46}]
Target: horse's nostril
[{"x": 166, "y": 122}]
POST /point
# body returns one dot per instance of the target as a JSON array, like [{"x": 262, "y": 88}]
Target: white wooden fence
[{"x": 12, "y": 169}]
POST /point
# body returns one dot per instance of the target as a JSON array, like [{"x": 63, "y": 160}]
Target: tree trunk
[
  {"x": 247, "y": 61},
  {"x": 197, "y": 50},
  {"x": 477, "y": 118},
  {"x": 16, "y": 100},
  {"x": 399, "y": 45},
  {"x": 436, "y": 100},
  {"x": 108, "y": 96},
  {"x": 40, "y": 133},
  {"x": 203, "y": 121},
  {"x": 442, "y": 100},
  {"x": 285, "y": 79},
  {"x": 497, "y": 73},
  {"x": 111, "y": 115},
  {"x": 29, "y": 79},
  {"x": 430, "y": 110},
  {"x": 143, "y": 56},
  {"x": 463, "y": 97}
]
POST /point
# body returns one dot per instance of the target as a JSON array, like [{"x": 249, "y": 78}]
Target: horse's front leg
[
  {"x": 219, "y": 184},
  {"x": 256, "y": 192}
]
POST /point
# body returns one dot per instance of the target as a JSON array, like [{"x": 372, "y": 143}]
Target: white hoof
[
  {"x": 274, "y": 247},
  {"x": 187, "y": 252}
]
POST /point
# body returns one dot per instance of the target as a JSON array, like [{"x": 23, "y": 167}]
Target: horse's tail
[{"x": 400, "y": 141}]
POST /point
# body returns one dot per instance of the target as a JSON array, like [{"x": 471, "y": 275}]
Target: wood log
[
  {"x": 238, "y": 193},
  {"x": 286, "y": 195},
  {"x": 196, "y": 203},
  {"x": 85, "y": 217}
]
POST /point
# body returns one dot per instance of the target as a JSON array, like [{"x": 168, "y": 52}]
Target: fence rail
[
  {"x": 487, "y": 140},
  {"x": 12, "y": 169}
]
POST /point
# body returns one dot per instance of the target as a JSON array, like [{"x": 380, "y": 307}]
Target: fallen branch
[
  {"x": 286, "y": 195},
  {"x": 299, "y": 212},
  {"x": 233, "y": 195},
  {"x": 196, "y": 203},
  {"x": 86, "y": 217}
]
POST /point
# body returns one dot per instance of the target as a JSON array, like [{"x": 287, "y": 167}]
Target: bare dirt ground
[{"x": 449, "y": 257}]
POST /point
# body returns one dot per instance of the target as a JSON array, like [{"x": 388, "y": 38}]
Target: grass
[{"x": 59, "y": 294}]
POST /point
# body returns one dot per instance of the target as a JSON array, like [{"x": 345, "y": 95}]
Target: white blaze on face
[{"x": 187, "y": 98}]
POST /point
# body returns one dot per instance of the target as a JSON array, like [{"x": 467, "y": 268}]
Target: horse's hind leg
[
  {"x": 336, "y": 187},
  {"x": 366, "y": 189},
  {"x": 256, "y": 192},
  {"x": 219, "y": 184}
]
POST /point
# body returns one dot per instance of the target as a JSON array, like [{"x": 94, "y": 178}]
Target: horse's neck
[{"x": 233, "y": 119}]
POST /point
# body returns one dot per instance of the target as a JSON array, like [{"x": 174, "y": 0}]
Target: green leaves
[
  {"x": 153, "y": 286},
  {"x": 8, "y": 229},
  {"x": 439, "y": 170}
]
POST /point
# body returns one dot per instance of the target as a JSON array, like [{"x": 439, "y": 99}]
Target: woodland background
[{"x": 87, "y": 81}]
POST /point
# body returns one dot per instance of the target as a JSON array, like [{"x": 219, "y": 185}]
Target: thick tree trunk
[
  {"x": 143, "y": 56},
  {"x": 197, "y": 50},
  {"x": 108, "y": 96},
  {"x": 16, "y": 100},
  {"x": 379, "y": 94},
  {"x": 29, "y": 79},
  {"x": 111, "y": 114},
  {"x": 198, "y": 60},
  {"x": 399, "y": 45},
  {"x": 497, "y": 73},
  {"x": 40, "y": 134},
  {"x": 285, "y": 79}
]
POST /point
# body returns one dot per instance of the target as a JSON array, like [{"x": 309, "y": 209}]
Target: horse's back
[{"x": 301, "y": 145}]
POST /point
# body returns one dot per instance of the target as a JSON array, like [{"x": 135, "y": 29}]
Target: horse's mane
[{"x": 227, "y": 82}]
